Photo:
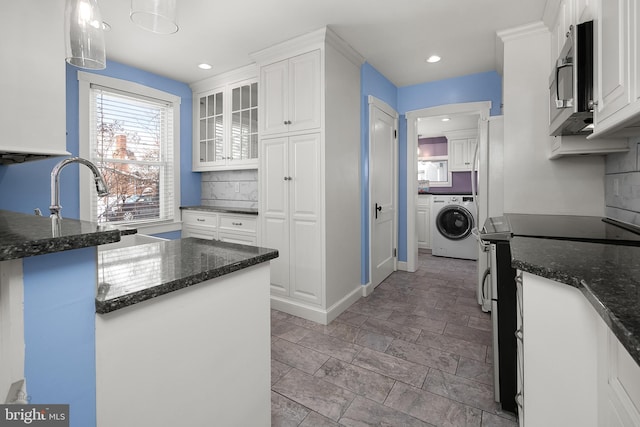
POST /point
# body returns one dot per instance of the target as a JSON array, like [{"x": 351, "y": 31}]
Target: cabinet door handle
[
  {"x": 287, "y": 122},
  {"x": 287, "y": 178},
  {"x": 199, "y": 219}
]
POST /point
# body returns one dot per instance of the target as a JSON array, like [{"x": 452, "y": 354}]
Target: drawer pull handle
[
  {"x": 236, "y": 223},
  {"x": 199, "y": 219}
]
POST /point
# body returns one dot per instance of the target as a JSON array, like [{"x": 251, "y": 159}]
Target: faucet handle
[{"x": 37, "y": 211}]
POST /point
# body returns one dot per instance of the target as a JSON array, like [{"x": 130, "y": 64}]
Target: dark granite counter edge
[
  {"x": 59, "y": 244},
  {"x": 104, "y": 307},
  {"x": 241, "y": 211},
  {"x": 628, "y": 340}
]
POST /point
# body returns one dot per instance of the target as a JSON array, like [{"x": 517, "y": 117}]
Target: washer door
[{"x": 454, "y": 222}]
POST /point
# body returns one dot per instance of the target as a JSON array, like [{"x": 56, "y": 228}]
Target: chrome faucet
[{"x": 101, "y": 185}]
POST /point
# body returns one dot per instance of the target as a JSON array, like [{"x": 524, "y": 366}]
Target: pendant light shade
[
  {"x": 157, "y": 16},
  {"x": 84, "y": 34}
]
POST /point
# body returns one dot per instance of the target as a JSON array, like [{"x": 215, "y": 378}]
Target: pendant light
[
  {"x": 157, "y": 16},
  {"x": 84, "y": 35}
]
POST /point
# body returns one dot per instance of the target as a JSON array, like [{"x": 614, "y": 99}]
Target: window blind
[{"x": 131, "y": 142}]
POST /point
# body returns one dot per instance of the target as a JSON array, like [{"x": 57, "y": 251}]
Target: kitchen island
[
  {"x": 54, "y": 271},
  {"x": 182, "y": 334},
  {"x": 578, "y": 332}
]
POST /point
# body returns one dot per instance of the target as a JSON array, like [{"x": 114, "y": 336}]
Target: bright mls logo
[{"x": 34, "y": 415}]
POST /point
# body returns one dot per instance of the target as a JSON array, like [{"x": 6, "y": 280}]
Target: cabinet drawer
[
  {"x": 200, "y": 218},
  {"x": 241, "y": 239},
  {"x": 238, "y": 223}
]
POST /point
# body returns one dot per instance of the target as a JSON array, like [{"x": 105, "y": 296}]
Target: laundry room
[{"x": 446, "y": 209}]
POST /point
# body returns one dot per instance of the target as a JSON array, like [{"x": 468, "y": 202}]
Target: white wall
[{"x": 532, "y": 183}]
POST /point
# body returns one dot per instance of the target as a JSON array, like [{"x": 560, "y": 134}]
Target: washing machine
[{"x": 453, "y": 219}]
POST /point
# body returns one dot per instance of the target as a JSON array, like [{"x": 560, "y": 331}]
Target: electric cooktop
[{"x": 562, "y": 227}]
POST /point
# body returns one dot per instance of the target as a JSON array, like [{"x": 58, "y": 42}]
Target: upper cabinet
[
  {"x": 33, "y": 108},
  {"x": 462, "y": 147},
  {"x": 617, "y": 72},
  {"x": 291, "y": 92},
  {"x": 225, "y": 134}
]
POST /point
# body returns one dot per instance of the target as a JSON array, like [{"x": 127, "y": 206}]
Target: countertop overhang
[
  {"x": 23, "y": 235},
  {"x": 130, "y": 275},
  {"x": 608, "y": 276}
]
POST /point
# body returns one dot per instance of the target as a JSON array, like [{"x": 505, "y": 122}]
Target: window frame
[{"x": 87, "y": 188}]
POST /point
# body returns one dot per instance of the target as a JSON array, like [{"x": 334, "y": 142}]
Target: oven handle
[{"x": 486, "y": 274}]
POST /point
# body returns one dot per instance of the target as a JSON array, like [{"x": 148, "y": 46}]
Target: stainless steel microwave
[{"x": 571, "y": 84}]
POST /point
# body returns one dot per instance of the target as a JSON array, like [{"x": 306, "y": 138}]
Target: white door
[{"x": 383, "y": 182}]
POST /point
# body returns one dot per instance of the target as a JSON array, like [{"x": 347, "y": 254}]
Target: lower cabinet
[
  {"x": 291, "y": 190},
  {"x": 574, "y": 371},
  {"x": 232, "y": 228},
  {"x": 423, "y": 217}
]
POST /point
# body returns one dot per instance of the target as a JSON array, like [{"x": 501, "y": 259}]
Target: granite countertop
[
  {"x": 23, "y": 235},
  {"x": 133, "y": 274},
  {"x": 244, "y": 211},
  {"x": 608, "y": 276}
]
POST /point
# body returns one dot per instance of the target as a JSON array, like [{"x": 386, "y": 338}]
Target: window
[{"x": 131, "y": 135}]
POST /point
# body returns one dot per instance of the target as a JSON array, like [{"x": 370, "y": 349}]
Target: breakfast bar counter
[{"x": 138, "y": 273}]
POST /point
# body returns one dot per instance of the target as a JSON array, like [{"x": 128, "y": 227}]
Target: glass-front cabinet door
[
  {"x": 211, "y": 134},
  {"x": 244, "y": 122},
  {"x": 226, "y": 128}
]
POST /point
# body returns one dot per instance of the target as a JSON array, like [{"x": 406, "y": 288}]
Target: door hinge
[{"x": 395, "y": 252}]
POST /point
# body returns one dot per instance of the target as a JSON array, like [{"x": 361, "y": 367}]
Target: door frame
[
  {"x": 387, "y": 109},
  {"x": 482, "y": 109}
]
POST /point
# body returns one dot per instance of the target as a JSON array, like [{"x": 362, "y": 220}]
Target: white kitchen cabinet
[
  {"x": 200, "y": 224},
  {"x": 617, "y": 69},
  {"x": 225, "y": 133},
  {"x": 309, "y": 173},
  {"x": 226, "y": 227},
  {"x": 240, "y": 229},
  {"x": 292, "y": 190},
  {"x": 33, "y": 112},
  {"x": 618, "y": 383},
  {"x": 423, "y": 217},
  {"x": 461, "y": 149},
  {"x": 290, "y": 90}
]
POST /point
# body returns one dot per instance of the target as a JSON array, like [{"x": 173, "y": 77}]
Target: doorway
[
  {"x": 414, "y": 129},
  {"x": 383, "y": 193}
]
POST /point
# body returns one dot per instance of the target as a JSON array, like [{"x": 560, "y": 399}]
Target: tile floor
[{"x": 417, "y": 352}]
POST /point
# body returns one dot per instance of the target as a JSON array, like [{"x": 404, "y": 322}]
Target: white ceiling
[{"x": 395, "y": 36}]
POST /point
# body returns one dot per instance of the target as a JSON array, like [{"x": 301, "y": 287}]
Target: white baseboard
[
  {"x": 403, "y": 266},
  {"x": 315, "y": 313},
  {"x": 367, "y": 289}
]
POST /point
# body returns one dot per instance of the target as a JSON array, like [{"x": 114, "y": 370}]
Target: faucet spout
[{"x": 101, "y": 185}]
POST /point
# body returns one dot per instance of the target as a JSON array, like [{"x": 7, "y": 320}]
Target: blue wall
[
  {"x": 59, "y": 332},
  {"x": 27, "y": 186},
  {"x": 472, "y": 88}
]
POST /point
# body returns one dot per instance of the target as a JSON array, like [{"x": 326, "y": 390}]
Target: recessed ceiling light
[
  {"x": 204, "y": 66},
  {"x": 445, "y": 119},
  {"x": 433, "y": 58}
]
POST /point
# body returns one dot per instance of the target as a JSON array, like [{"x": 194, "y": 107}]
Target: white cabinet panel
[
  {"x": 291, "y": 219},
  {"x": 461, "y": 152},
  {"x": 32, "y": 112},
  {"x": 291, "y": 94},
  {"x": 613, "y": 57}
]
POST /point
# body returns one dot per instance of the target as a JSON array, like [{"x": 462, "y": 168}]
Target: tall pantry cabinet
[{"x": 309, "y": 173}]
